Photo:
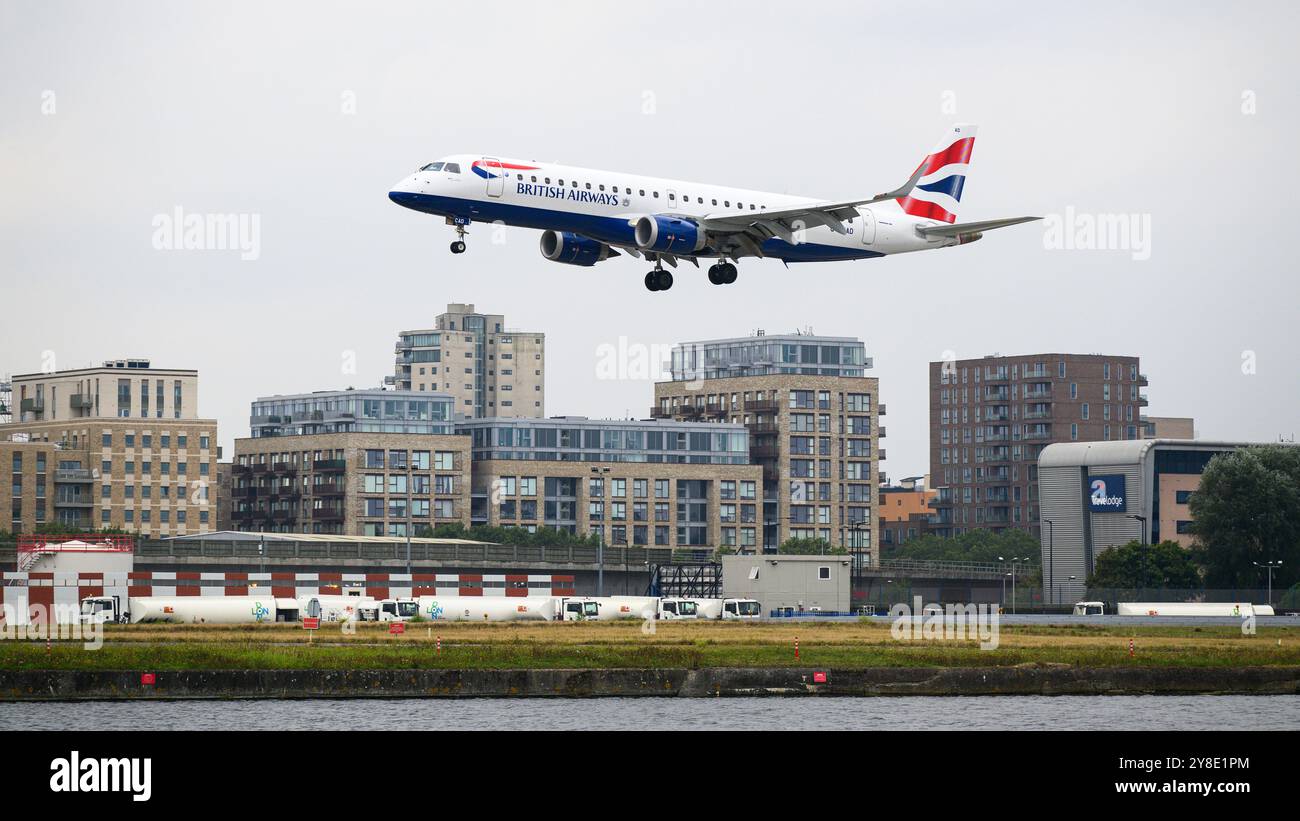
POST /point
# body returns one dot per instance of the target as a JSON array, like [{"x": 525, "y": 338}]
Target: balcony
[
  {"x": 81, "y": 401},
  {"x": 1142, "y": 400},
  {"x": 327, "y": 514},
  {"x": 880, "y": 409},
  {"x": 762, "y": 428},
  {"x": 333, "y": 465},
  {"x": 283, "y": 467},
  {"x": 1036, "y": 434},
  {"x": 281, "y": 515},
  {"x": 243, "y": 493},
  {"x": 657, "y": 412},
  {"x": 762, "y": 405},
  {"x": 1038, "y": 393},
  {"x": 261, "y": 467},
  {"x": 328, "y": 489},
  {"x": 764, "y": 452},
  {"x": 73, "y": 500},
  {"x": 73, "y": 475},
  {"x": 1143, "y": 381},
  {"x": 880, "y": 454},
  {"x": 997, "y": 376},
  {"x": 880, "y": 432},
  {"x": 32, "y": 405}
]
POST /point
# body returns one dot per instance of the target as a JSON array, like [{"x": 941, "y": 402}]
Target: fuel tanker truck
[
  {"x": 188, "y": 609},
  {"x": 486, "y": 608}
]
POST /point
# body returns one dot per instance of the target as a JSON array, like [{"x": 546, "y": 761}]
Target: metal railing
[{"x": 615, "y": 557}]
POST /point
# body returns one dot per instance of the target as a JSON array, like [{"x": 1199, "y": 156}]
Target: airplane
[{"x": 587, "y": 216}]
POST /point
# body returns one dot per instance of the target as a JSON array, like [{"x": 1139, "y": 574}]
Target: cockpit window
[
  {"x": 452, "y": 168},
  {"x": 433, "y": 166}
]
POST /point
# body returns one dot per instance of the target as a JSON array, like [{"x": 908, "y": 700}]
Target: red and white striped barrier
[{"x": 23, "y": 590}]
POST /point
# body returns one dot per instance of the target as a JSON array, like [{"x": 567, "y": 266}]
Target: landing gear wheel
[
  {"x": 723, "y": 273},
  {"x": 458, "y": 247},
  {"x": 652, "y": 281},
  {"x": 664, "y": 280}
]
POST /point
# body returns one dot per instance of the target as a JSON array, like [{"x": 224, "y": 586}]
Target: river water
[{"x": 804, "y": 713}]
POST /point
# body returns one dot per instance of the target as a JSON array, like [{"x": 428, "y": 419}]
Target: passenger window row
[{"x": 640, "y": 192}]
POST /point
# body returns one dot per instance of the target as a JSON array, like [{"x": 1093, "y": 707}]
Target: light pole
[
  {"x": 1013, "y": 560},
  {"x": 1270, "y": 565},
  {"x": 600, "y": 537},
  {"x": 1051, "y": 558},
  {"x": 1146, "y": 559}
]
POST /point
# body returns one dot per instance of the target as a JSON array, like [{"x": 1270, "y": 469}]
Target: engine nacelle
[
  {"x": 669, "y": 235},
  {"x": 574, "y": 249}
]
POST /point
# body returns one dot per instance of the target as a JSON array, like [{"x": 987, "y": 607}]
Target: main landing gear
[
  {"x": 658, "y": 279},
  {"x": 723, "y": 273},
  {"x": 458, "y": 247}
]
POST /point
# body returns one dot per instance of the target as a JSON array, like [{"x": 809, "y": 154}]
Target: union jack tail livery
[{"x": 943, "y": 173}]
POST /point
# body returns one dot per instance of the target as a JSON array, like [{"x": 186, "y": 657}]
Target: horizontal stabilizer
[{"x": 960, "y": 228}]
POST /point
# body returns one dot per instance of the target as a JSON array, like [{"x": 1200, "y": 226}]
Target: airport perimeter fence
[{"x": 615, "y": 557}]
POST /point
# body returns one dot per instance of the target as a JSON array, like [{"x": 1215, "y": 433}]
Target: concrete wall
[{"x": 778, "y": 581}]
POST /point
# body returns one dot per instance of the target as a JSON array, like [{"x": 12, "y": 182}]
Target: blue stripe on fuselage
[{"x": 606, "y": 229}]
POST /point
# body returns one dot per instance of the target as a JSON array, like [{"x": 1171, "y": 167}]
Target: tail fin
[{"x": 943, "y": 173}]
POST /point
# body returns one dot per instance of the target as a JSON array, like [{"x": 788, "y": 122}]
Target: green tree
[
  {"x": 1247, "y": 511},
  {"x": 810, "y": 547},
  {"x": 974, "y": 546},
  {"x": 1167, "y": 565}
]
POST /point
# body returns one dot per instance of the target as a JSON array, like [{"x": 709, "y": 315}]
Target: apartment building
[
  {"x": 355, "y": 462},
  {"x": 812, "y": 421},
  {"x": 488, "y": 369},
  {"x": 147, "y": 476},
  {"x": 121, "y": 388},
  {"x": 653, "y": 483},
  {"x": 990, "y": 418},
  {"x": 120, "y": 446}
]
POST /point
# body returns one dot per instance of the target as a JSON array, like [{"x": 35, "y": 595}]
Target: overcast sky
[{"x": 303, "y": 114}]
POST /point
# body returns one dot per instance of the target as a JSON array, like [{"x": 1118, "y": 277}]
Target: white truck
[
  {"x": 104, "y": 610},
  {"x": 397, "y": 610},
  {"x": 671, "y": 609},
  {"x": 1089, "y": 608},
  {"x": 187, "y": 609}
]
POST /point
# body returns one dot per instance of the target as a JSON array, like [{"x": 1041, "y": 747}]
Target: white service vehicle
[
  {"x": 1089, "y": 608},
  {"x": 744, "y": 609},
  {"x": 103, "y": 610},
  {"x": 397, "y": 610},
  {"x": 671, "y": 609}
]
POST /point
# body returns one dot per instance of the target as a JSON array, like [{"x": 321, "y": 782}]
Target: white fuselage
[{"x": 605, "y": 205}]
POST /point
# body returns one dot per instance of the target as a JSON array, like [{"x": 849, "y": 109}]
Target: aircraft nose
[{"x": 403, "y": 192}]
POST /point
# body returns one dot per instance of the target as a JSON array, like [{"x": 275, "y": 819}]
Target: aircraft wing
[
  {"x": 761, "y": 225},
  {"x": 960, "y": 228}
]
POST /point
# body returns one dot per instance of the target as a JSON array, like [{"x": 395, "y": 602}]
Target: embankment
[{"x": 1028, "y": 679}]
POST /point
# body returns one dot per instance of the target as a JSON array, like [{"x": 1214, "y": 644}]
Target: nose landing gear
[{"x": 458, "y": 247}]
